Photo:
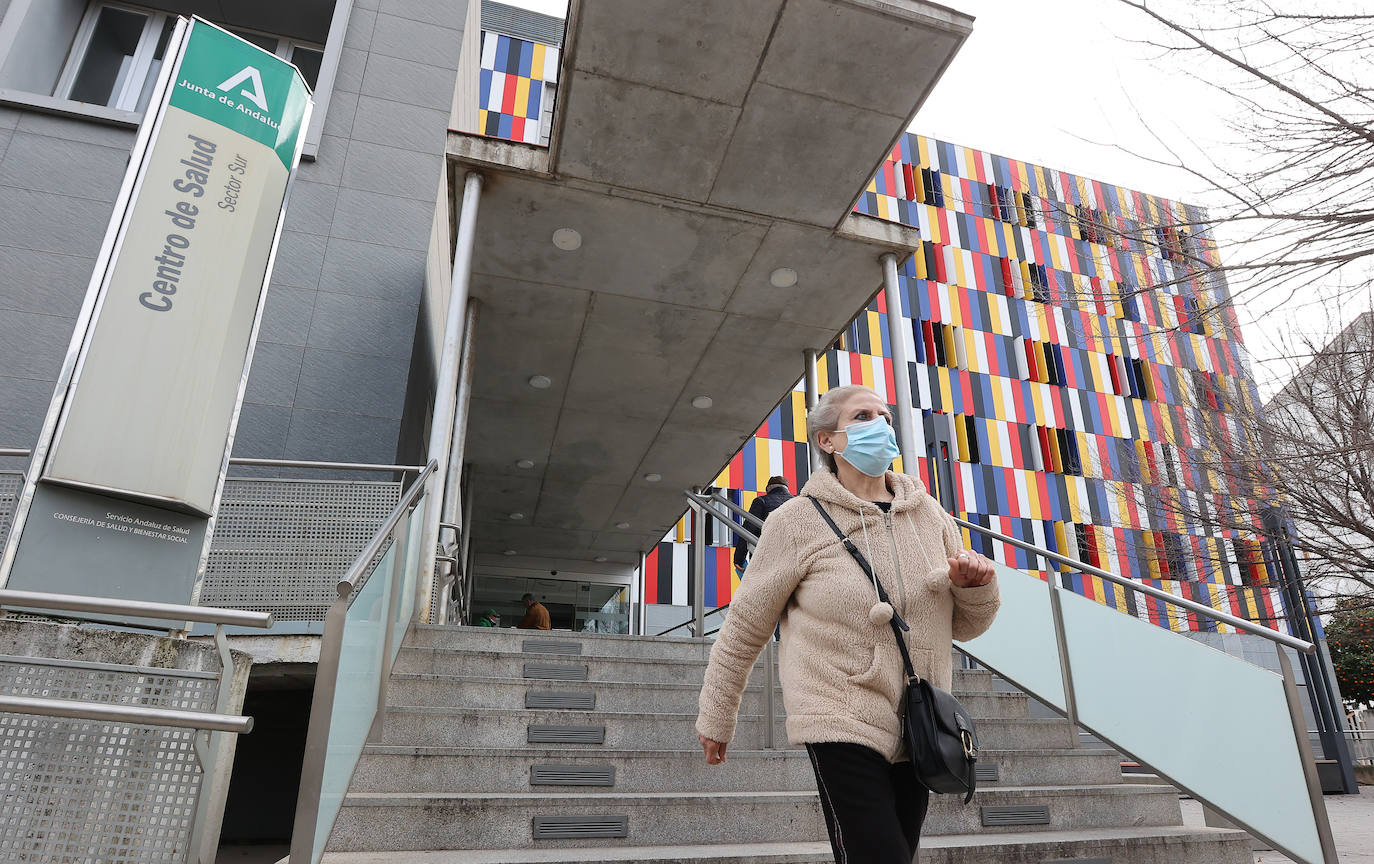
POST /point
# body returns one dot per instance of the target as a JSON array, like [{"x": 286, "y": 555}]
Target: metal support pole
[
  {"x": 809, "y": 361},
  {"x": 464, "y": 555},
  {"x": 901, "y": 372},
  {"x": 446, "y": 384},
  {"x": 699, "y": 569},
  {"x": 770, "y": 672},
  {"x": 454, "y": 510},
  {"x": 1309, "y": 767},
  {"x": 1065, "y": 671}
]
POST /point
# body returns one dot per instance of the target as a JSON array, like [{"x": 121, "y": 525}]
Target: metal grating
[
  {"x": 522, "y": 23},
  {"x": 83, "y": 791},
  {"x": 11, "y": 484},
  {"x": 1016, "y": 814},
  {"x": 577, "y": 827},
  {"x": 987, "y": 772},
  {"x": 281, "y": 546},
  {"x": 555, "y": 672},
  {"x": 1077, "y": 861},
  {"x": 536, "y": 734},
  {"x": 572, "y": 775},
  {"x": 571, "y": 701},
  {"x": 549, "y": 646}
]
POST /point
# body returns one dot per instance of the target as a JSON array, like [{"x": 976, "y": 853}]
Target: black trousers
[{"x": 873, "y": 809}]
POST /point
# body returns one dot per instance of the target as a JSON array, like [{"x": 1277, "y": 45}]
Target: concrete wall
[{"x": 329, "y": 375}]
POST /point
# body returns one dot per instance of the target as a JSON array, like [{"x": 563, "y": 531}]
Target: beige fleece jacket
[{"x": 841, "y": 673}]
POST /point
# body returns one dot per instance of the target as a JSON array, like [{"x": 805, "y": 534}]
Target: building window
[{"x": 119, "y": 50}]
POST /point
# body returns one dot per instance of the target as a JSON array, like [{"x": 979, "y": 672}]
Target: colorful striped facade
[
  {"x": 1061, "y": 359},
  {"x": 519, "y": 78}
]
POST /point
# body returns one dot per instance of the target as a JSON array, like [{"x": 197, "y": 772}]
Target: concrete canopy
[{"x": 698, "y": 146}]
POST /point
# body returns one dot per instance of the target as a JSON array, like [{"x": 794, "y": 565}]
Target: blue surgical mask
[{"x": 870, "y": 446}]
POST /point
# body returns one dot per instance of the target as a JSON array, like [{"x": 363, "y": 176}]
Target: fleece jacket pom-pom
[{"x": 880, "y": 613}]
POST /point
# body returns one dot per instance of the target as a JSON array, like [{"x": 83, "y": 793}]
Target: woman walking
[{"x": 841, "y": 671}]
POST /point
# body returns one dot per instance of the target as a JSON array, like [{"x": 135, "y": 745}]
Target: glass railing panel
[
  {"x": 355, "y": 694},
  {"x": 1214, "y": 725},
  {"x": 405, "y": 609},
  {"x": 1020, "y": 646}
]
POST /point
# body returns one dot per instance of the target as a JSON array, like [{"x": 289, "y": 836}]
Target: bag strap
[{"x": 898, "y": 625}]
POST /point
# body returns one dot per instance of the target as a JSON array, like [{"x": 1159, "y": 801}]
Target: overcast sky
[{"x": 1066, "y": 84}]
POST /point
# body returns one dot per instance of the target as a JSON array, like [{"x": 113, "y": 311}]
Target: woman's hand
[
  {"x": 714, "y": 750},
  {"x": 970, "y": 570}
]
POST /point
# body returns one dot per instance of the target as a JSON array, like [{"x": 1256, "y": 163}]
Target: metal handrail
[
  {"x": 717, "y": 496},
  {"x": 689, "y": 621},
  {"x": 134, "y": 608},
  {"x": 1191, "y": 605},
  {"x": 279, "y": 463},
  {"x": 137, "y": 714},
  {"x": 379, "y": 537}
]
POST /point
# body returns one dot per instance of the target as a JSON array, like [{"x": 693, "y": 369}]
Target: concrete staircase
[{"x": 510, "y": 746}]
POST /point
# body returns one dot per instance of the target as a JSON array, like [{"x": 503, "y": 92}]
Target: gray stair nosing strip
[
  {"x": 1015, "y": 814},
  {"x": 1077, "y": 861},
  {"x": 572, "y": 775},
  {"x": 548, "y": 646},
  {"x": 578, "y": 827},
  {"x": 552, "y": 672},
  {"x": 557, "y": 700},
  {"x": 545, "y": 734}
]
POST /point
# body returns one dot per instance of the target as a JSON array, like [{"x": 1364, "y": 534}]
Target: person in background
[
  {"x": 489, "y": 619},
  {"x": 775, "y": 495},
  {"x": 536, "y": 616}
]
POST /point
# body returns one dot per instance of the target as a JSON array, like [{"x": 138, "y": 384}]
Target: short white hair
[{"x": 825, "y": 417}]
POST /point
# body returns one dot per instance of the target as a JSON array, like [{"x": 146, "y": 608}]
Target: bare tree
[
  {"x": 1297, "y": 217},
  {"x": 1310, "y": 449}
]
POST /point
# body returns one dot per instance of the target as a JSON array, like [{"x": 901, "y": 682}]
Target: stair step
[
  {"x": 382, "y": 821},
  {"x": 514, "y": 641},
  {"x": 390, "y": 768},
  {"x": 505, "y": 664},
  {"x": 438, "y": 726},
  {"x": 1148, "y": 845},
  {"x": 471, "y": 691}
]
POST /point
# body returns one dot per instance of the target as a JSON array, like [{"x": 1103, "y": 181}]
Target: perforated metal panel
[
  {"x": 81, "y": 791},
  {"x": 555, "y": 672},
  {"x": 280, "y": 546},
  {"x": 1016, "y": 814},
  {"x": 536, "y": 734},
  {"x": 560, "y": 701},
  {"x": 549, "y": 646},
  {"x": 574, "y": 827},
  {"x": 11, "y": 484},
  {"x": 572, "y": 775}
]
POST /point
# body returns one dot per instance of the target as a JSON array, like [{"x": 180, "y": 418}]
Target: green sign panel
[{"x": 238, "y": 85}]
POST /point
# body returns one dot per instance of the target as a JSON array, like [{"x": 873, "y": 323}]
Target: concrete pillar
[{"x": 812, "y": 395}]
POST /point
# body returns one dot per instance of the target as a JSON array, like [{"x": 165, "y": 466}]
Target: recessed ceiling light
[
  {"x": 517, "y": 516},
  {"x": 783, "y": 277},
  {"x": 600, "y": 559},
  {"x": 567, "y": 239},
  {"x": 652, "y": 477},
  {"x": 509, "y": 552},
  {"x": 622, "y": 525},
  {"x": 541, "y": 382},
  {"x": 702, "y": 402},
  {"x": 525, "y": 463}
]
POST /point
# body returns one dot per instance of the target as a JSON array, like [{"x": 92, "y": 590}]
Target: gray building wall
[{"x": 329, "y": 374}]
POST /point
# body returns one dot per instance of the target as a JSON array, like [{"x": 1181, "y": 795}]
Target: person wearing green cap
[{"x": 488, "y": 618}]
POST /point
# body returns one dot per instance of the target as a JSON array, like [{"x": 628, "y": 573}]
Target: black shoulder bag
[{"x": 939, "y": 731}]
